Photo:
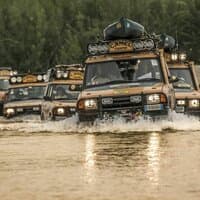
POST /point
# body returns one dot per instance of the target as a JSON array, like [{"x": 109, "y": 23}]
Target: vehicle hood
[
  {"x": 64, "y": 103},
  {"x": 27, "y": 103},
  {"x": 116, "y": 90},
  {"x": 190, "y": 95}
]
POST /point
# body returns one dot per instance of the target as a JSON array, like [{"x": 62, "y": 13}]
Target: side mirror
[
  {"x": 80, "y": 87},
  {"x": 47, "y": 98},
  {"x": 173, "y": 79},
  {"x": 5, "y": 99}
]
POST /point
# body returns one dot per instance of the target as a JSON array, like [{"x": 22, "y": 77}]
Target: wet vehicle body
[
  {"x": 133, "y": 81},
  {"x": 25, "y": 95},
  {"x": 65, "y": 82},
  {"x": 5, "y": 73},
  {"x": 187, "y": 87}
]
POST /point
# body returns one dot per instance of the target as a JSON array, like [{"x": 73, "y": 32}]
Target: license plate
[
  {"x": 180, "y": 109},
  {"x": 153, "y": 107},
  {"x": 19, "y": 109}
]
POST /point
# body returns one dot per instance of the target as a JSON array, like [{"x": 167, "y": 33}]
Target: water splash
[{"x": 178, "y": 122}]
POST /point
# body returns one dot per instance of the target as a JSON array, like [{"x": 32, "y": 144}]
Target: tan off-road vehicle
[
  {"x": 65, "y": 82},
  {"x": 25, "y": 95},
  {"x": 5, "y": 73},
  {"x": 125, "y": 77},
  {"x": 187, "y": 87}
]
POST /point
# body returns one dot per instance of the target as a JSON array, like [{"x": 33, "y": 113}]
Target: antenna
[{"x": 177, "y": 45}]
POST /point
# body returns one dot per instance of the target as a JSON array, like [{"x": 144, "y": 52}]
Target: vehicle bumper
[
  {"x": 24, "y": 113},
  {"x": 67, "y": 114},
  {"x": 188, "y": 111},
  {"x": 130, "y": 113}
]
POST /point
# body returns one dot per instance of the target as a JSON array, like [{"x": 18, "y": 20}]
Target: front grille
[
  {"x": 28, "y": 110},
  {"x": 121, "y": 102}
]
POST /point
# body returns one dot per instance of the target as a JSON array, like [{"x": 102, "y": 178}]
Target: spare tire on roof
[{"x": 123, "y": 29}]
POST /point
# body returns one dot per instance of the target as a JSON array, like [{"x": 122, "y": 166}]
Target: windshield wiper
[
  {"x": 183, "y": 87},
  {"x": 117, "y": 82},
  {"x": 148, "y": 79},
  {"x": 109, "y": 83},
  {"x": 66, "y": 99},
  {"x": 34, "y": 98},
  {"x": 9, "y": 100}
]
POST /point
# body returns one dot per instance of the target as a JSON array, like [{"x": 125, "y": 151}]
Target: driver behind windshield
[
  {"x": 134, "y": 70},
  {"x": 60, "y": 93},
  {"x": 103, "y": 73},
  {"x": 184, "y": 78},
  {"x": 26, "y": 93}
]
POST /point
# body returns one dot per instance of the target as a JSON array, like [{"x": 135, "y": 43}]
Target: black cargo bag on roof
[
  {"x": 167, "y": 42},
  {"x": 123, "y": 29}
]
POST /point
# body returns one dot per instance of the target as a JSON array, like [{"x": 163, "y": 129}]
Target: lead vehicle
[{"x": 125, "y": 77}]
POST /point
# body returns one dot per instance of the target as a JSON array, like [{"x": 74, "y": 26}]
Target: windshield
[
  {"x": 26, "y": 93},
  {"x": 142, "y": 71},
  {"x": 185, "y": 78},
  {"x": 4, "y": 84},
  {"x": 65, "y": 91}
]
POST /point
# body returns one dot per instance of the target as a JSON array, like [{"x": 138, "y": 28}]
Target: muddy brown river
[{"x": 114, "y": 161}]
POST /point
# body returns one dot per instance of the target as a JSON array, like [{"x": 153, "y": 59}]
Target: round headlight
[
  {"x": 39, "y": 77},
  {"x": 44, "y": 77},
  {"x": 65, "y": 75},
  {"x": 153, "y": 98},
  {"x": 182, "y": 56},
  {"x": 103, "y": 48},
  {"x": 194, "y": 103},
  {"x": 58, "y": 74},
  {"x": 174, "y": 56},
  {"x": 149, "y": 44},
  {"x": 90, "y": 104},
  {"x": 92, "y": 49},
  {"x": 60, "y": 111},
  {"x": 19, "y": 79},
  {"x": 13, "y": 80},
  {"x": 180, "y": 102},
  {"x": 138, "y": 45},
  {"x": 13, "y": 73},
  {"x": 10, "y": 111}
]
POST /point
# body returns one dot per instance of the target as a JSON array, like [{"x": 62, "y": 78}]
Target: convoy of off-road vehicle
[
  {"x": 129, "y": 74},
  {"x": 5, "y": 73},
  {"x": 63, "y": 88},
  {"x": 25, "y": 95}
]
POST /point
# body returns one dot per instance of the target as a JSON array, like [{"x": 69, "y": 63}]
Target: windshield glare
[
  {"x": 26, "y": 93},
  {"x": 143, "y": 71},
  {"x": 4, "y": 84},
  {"x": 185, "y": 79},
  {"x": 65, "y": 92}
]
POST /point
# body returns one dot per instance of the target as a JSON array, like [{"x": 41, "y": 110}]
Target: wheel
[
  {"x": 42, "y": 116},
  {"x": 51, "y": 117}
]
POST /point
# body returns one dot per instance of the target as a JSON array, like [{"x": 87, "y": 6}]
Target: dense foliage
[{"x": 35, "y": 35}]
